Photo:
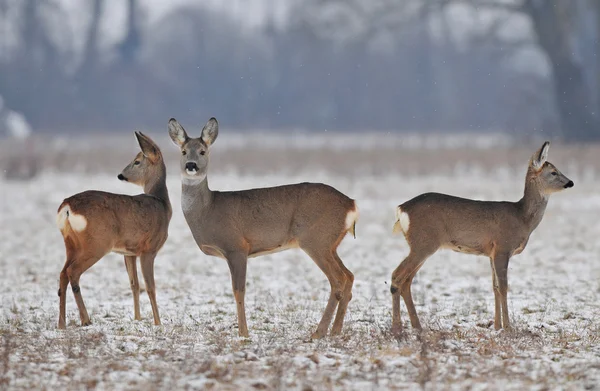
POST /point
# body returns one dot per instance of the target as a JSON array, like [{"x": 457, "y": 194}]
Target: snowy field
[{"x": 554, "y": 285}]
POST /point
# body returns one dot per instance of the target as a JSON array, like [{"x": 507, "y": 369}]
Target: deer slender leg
[
  {"x": 501, "y": 267},
  {"x": 130, "y": 264},
  {"x": 406, "y": 293},
  {"x": 64, "y": 282},
  {"x": 238, "y": 264},
  {"x": 74, "y": 272},
  {"x": 147, "y": 264},
  {"x": 497, "y": 298},
  {"x": 62, "y": 293},
  {"x": 346, "y": 297},
  {"x": 402, "y": 279},
  {"x": 327, "y": 263}
]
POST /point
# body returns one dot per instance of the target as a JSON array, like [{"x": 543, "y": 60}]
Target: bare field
[{"x": 554, "y": 285}]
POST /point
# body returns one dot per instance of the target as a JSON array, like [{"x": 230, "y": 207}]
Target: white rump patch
[
  {"x": 78, "y": 222},
  {"x": 61, "y": 217},
  {"x": 402, "y": 220},
  {"x": 351, "y": 218}
]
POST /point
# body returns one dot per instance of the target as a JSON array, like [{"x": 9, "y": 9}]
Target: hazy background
[{"x": 518, "y": 66}]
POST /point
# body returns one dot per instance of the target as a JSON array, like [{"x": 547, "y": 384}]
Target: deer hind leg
[
  {"x": 497, "y": 298},
  {"x": 406, "y": 294},
  {"x": 402, "y": 279},
  {"x": 131, "y": 266},
  {"x": 62, "y": 294},
  {"x": 64, "y": 283},
  {"x": 74, "y": 272},
  {"x": 238, "y": 264},
  {"x": 147, "y": 264},
  {"x": 501, "y": 271},
  {"x": 326, "y": 261},
  {"x": 347, "y": 296}
]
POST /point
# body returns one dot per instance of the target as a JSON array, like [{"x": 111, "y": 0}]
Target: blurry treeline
[{"x": 521, "y": 66}]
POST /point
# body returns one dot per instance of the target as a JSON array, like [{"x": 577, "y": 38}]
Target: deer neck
[
  {"x": 195, "y": 195},
  {"x": 157, "y": 187},
  {"x": 534, "y": 202}
]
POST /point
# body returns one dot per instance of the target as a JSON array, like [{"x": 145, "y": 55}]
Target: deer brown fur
[
  {"x": 494, "y": 229},
  {"x": 237, "y": 225},
  {"x": 94, "y": 223}
]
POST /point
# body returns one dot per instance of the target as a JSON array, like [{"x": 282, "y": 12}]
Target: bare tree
[
  {"x": 553, "y": 22},
  {"x": 130, "y": 45},
  {"x": 91, "y": 55}
]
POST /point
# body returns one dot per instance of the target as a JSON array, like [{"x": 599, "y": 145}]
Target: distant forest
[{"x": 337, "y": 65}]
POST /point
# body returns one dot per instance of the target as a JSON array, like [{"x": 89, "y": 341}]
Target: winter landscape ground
[{"x": 554, "y": 285}]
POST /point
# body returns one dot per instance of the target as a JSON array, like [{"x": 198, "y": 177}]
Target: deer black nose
[
  {"x": 570, "y": 184},
  {"x": 191, "y": 166},
  {"x": 121, "y": 177}
]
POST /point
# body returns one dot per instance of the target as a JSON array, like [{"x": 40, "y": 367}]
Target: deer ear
[
  {"x": 210, "y": 131},
  {"x": 539, "y": 158},
  {"x": 148, "y": 147},
  {"x": 177, "y": 133}
]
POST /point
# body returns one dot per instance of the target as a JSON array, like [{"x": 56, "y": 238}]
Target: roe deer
[
  {"x": 94, "y": 223},
  {"x": 236, "y": 225},
  {"x": 495, "y": 229}
]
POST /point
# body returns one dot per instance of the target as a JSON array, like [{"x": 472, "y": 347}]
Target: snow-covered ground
[{"x": 554, "y": 293}]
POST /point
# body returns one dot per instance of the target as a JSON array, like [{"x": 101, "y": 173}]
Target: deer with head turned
[
  {"x": 95, "y": 223},
  {"x": 237, "y": 225},
  {"x": 494, "y": 229}
]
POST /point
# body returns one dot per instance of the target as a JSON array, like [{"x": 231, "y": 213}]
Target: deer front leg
[
  {"x": 497, "y": 298},
  {"x": 238, "y": 263},
  {"x": 147, "y": 264},
  {"x": 501, "y": 267},
  {"x": 130, "y": 264}
]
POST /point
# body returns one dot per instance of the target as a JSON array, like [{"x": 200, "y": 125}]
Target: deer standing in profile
[
  {"x": 497, "y": 230},
  {"x": 237, "y": 225},
  {"x": 94, "y": 223}
]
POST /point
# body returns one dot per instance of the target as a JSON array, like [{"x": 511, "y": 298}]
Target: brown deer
[
  {"x": 237, "y": 225},
  {"x": 497, "y": 230},
  {"x": 94, "y": 223}
]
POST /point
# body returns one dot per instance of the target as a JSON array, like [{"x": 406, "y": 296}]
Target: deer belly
[
  {"x": 212, "y": 250},
  {"x": 520, "y": 249},
  {"x": 124, "y": 251},
  {"x": 465, "y": 248},
  {"x": 265, "y": 251}
]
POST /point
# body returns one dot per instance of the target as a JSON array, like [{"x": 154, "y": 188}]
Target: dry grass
[{"x": 171, "y": 358}]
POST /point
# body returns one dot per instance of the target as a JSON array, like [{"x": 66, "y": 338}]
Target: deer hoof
[{"x": 318, "y": 335}]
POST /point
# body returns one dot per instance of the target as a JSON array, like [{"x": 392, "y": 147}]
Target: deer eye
[
  {"x": 183, "y": 152},
  {"x": 554, "y": 173},
  {"x": 202, "y": 153},
  {"x": 137, "y": 162}
]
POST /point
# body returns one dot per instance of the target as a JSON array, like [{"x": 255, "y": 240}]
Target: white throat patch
[{"x": 192, "y": 180}]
